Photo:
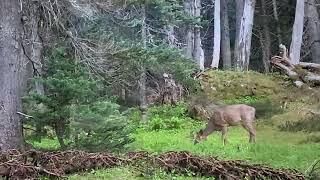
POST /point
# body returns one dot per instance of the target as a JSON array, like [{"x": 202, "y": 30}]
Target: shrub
[{"x": 100, "y": 126}]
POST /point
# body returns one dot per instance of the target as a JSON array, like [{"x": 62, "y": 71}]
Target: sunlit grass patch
[
  {"x": 45, "y": 144},
  {"x": 112, "y": 173},
  {"x": 131, "y": 173}
]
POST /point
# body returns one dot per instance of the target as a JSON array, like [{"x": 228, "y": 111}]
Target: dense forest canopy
[{"x": 92, "y": 74}]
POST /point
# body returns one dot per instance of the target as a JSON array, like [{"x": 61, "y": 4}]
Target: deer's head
[{"x": 199, "y": 137}]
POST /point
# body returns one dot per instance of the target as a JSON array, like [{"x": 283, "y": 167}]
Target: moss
[
  {"x": 250, "y": 87},
  {"x": 230, "y": 84},
  {"x": 302, "y": 72}
]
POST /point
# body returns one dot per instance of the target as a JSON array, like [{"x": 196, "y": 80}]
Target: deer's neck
[{"x": 209, "y": 129}]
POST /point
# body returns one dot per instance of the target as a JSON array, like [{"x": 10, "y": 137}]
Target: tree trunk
[
  {"x": 265, "y": 53},
  {"x": 313, "y": 27},
  {"x": 34, "y": 45},
  {"x": 245, "y": 34},
  {"x": 171, "y": 39},
  {"x": 188, "y": 6},
  {"x": 265, "y": 38},
  {"x": 216, "y": 35},
  {"x": 225, "y": 35},
  {"x": 239, "y": 12},
  {"x": 276, "y": 17},
  {"x": 60, "y": 130},
  {"x": 198, "y": 53},
  {"x": 297, "y": 33},
  {"x": 143, "y": 77},
  {"x": 12, "y": 70}
]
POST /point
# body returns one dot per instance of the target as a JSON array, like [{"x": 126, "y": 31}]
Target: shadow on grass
[
  {"x": 265, "y": 109},
  {"x": 309, "y": 124},
  {"x": 311, "y": 139}
]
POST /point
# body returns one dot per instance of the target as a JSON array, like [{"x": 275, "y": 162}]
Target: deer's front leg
[{"x": 224, "y": 131}]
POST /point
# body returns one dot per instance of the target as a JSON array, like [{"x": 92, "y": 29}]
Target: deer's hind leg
[{"x": 251, "y": 130}]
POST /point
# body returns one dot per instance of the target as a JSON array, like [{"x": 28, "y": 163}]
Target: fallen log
[{"x": 301, "y": 73}]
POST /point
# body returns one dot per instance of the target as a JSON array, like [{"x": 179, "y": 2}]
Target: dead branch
[
  {"x": 24, "y": 115},
  {"x": 32, "y": 164}
]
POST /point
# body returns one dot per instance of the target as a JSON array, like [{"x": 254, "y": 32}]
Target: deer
[{"x": 224, "y": 117}]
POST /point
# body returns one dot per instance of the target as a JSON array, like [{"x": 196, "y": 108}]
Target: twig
[{"x": 25, "y": 115}]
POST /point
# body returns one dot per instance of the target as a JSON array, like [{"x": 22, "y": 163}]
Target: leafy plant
[
  {"x": 167, "y": 117},
  {"x": 157, "y": 123},
  {"x": 166, "y": 111}
]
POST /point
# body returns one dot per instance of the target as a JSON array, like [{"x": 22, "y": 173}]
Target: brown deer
[{"x": 230, "y": 115}]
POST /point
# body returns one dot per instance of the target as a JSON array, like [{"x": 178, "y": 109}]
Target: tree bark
[
  {"x": 33, "y": 45},
  {"x": 12, "y": 70},
  {"x": 239, "y": 12},
  {"x": 216, "y": 35},
  {"x": 245, "y": 34},
  {"x": 313, "y": 29},
  {"x": 265, "y": 38},
  {"x": 143, "y": 77},
  {"x": 225, "y": 35},
  {"x": 198, "y": 53},
  {"x": 297, "y": 33},
  {"x": 171, "y": 39},
  {"x": 188, "y": 6},
  {"x": 276, "y": 17},
  {"x": 60, "y": 131}
]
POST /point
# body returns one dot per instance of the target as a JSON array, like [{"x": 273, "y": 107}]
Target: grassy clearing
[
  {"x": 274, "y": 148},
  {"x": 169, "y": 130},
  {"x": 46, "y": 144}
]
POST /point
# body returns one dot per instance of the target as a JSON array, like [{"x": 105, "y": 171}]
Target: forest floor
[{"x": 286, "y": 137}]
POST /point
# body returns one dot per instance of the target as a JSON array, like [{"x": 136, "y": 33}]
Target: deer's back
[{"x": 234, "y": 114}]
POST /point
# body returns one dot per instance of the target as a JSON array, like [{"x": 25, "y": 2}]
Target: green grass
[
  {"x": 46, "y": 144},
  {"x": 130, "y": 173},
  {"x": 113, "y": 173},
  {"x": 273, "y": 147}
]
